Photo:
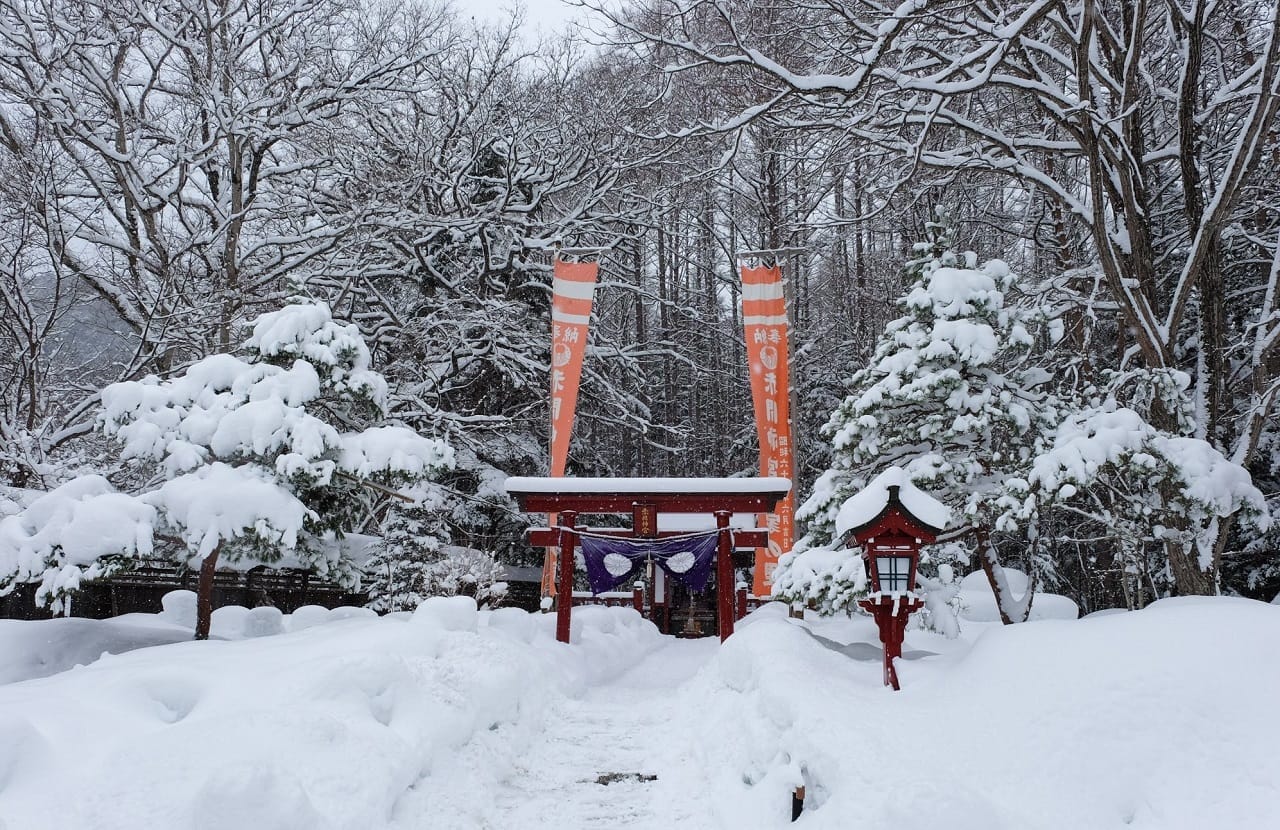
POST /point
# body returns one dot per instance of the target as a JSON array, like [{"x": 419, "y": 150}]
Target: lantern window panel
[{"x": 894, "y": 573}]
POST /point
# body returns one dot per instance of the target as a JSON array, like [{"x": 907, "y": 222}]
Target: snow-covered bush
[
  {"x": 251, "y": 460},
  {"x": 1109, "y": 465},
  {"x": 412, "y": 563},
  {"x": 410, "y": 542},
  {"x": 828, "y": 581},
  {"x": 466, "y": 572}
]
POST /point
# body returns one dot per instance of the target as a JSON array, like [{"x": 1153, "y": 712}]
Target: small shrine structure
[
  {"x": 891, "y": 519},
  {"x": 613, "y": 555}
]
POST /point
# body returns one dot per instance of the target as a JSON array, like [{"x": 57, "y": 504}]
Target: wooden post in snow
[
  {"x": 724, "y": 574},
  {"x": 564, "y": 601}
]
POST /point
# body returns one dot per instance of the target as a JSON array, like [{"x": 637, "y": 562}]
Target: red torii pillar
[
  {"x": 724, "y": 574},
  {"x": 564, "y": 599}
]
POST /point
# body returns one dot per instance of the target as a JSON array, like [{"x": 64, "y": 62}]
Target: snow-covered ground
[{"x": 452, "y": 719}]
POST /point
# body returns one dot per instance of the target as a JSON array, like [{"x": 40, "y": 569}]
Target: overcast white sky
[{"x": 545, "y": 15}]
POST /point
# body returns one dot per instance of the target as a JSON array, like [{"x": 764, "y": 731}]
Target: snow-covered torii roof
[
  {"x": 869, "y": 504},
  {"x": 670, "y": 495}
]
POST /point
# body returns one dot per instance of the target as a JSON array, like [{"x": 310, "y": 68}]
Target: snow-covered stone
[
  {"x": 350, "y": 612},
  {"x": 264, "y": 621},
  {"x": 228, "y": 622},
  {"x": 180, "y": 608},
  {"x": 514, "y": 622},
  {"x": 308, "y": 616},
  {"x": 449, "y": 613}
]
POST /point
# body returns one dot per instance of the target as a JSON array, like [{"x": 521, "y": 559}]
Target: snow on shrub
[
  {"x": 81, "y": 531},
  {"x": 829, "y": 581},
  {"x": 412, "y": 563},
  {"x": 1138, "y": 480},
  {"x": 253, "y": 458}
]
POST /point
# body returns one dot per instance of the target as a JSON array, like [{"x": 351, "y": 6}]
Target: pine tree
[
  {"x": 949, "y": 394},
  {"x": 414, "y": 561},
  {"x": 410, "y": 544},
  {"x": 954, "y": 396},
  {"x": 248, "y": 460}
]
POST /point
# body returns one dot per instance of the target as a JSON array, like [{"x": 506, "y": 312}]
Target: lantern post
[{"x": 891, "y": 536}]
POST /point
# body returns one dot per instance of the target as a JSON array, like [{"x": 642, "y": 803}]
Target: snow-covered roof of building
[
  {"x": 863, "y": 507},
  {"x": 546, "y": 484}
]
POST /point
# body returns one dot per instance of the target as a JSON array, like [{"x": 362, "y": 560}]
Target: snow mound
[
  {"x": 449, "y": 613},
  {"x": 370, "y": 723},
  {"x": 978, "y": 603},
  {"x": 32, "y": 649},
  {"x": 1130, "y": 709},
  {"x": 180, "y": 608},
  {"x": 307, "y": 616}
]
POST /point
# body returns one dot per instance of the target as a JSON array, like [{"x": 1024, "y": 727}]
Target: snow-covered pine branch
[{"x": 253, "y": 460}]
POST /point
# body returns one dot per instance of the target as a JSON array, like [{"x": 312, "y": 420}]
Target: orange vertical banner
[
  {"x": 764, "y": 317},
  {"x": 572, "y": 290}
]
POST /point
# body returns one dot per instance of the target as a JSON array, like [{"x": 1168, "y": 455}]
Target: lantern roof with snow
[{"x": 891, "y": 501}]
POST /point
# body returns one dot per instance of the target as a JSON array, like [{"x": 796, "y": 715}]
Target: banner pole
[
  {"x": 766, "y": 329},
  {"x": 574, "y": 275}
]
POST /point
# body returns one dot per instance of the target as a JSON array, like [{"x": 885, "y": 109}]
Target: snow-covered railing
[{"x": 613, "y": 599}]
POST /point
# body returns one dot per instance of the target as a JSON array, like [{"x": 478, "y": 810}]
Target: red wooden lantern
[
  {"x": 892, "y": 558},
  {"x": 891, "y": 536}
]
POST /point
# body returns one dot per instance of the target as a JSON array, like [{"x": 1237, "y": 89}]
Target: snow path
[{"x": 631, "y": 726}]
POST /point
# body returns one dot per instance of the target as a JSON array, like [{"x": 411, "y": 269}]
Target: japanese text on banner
[
  {"x": 572, "y": 290},
  {"x": 765, "y": 321}
]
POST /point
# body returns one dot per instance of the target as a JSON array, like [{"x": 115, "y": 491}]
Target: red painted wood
[
  {"x": 742, "y": 602},
  {"x": 893, "y": 628},
  {"x": 549, "y": 537},
  {"x": 637, "y": 598},
  {"x": 724, "y": 575},
  {"x": 662, "y": 502},
  {"x": 564, "y": 604},
  {"x": 894, "y": 519},
  {"x": 723, "y": 505}
]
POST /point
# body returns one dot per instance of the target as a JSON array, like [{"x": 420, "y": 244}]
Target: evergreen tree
[
  {"x": 410, "y": 544},
  {"x": 247, "y": 461},
  {"x": 955, "y": 397},
  {"x": 414, "y": 562},
  {"x": 949, "y": 394}
]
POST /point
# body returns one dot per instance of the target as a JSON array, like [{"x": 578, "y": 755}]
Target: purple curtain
[{"x": 612, "y": 561}]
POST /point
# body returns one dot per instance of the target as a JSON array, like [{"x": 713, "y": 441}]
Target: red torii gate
[{"x": 644, "y": 499}]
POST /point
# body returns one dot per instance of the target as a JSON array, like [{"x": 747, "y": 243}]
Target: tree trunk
[
  {"x": 1011, "y": 609},
  {"x": 1188, "y": 578},
  {"x": 204, "y": 594}
]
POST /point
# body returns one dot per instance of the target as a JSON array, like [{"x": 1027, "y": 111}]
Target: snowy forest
[{"x": 351, "y": 209}]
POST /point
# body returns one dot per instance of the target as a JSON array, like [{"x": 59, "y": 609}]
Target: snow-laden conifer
[
  {"x": 953, "y": 395},
  {"x": 260, "y": 458},
  {"x": 949, "y": 394}
]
